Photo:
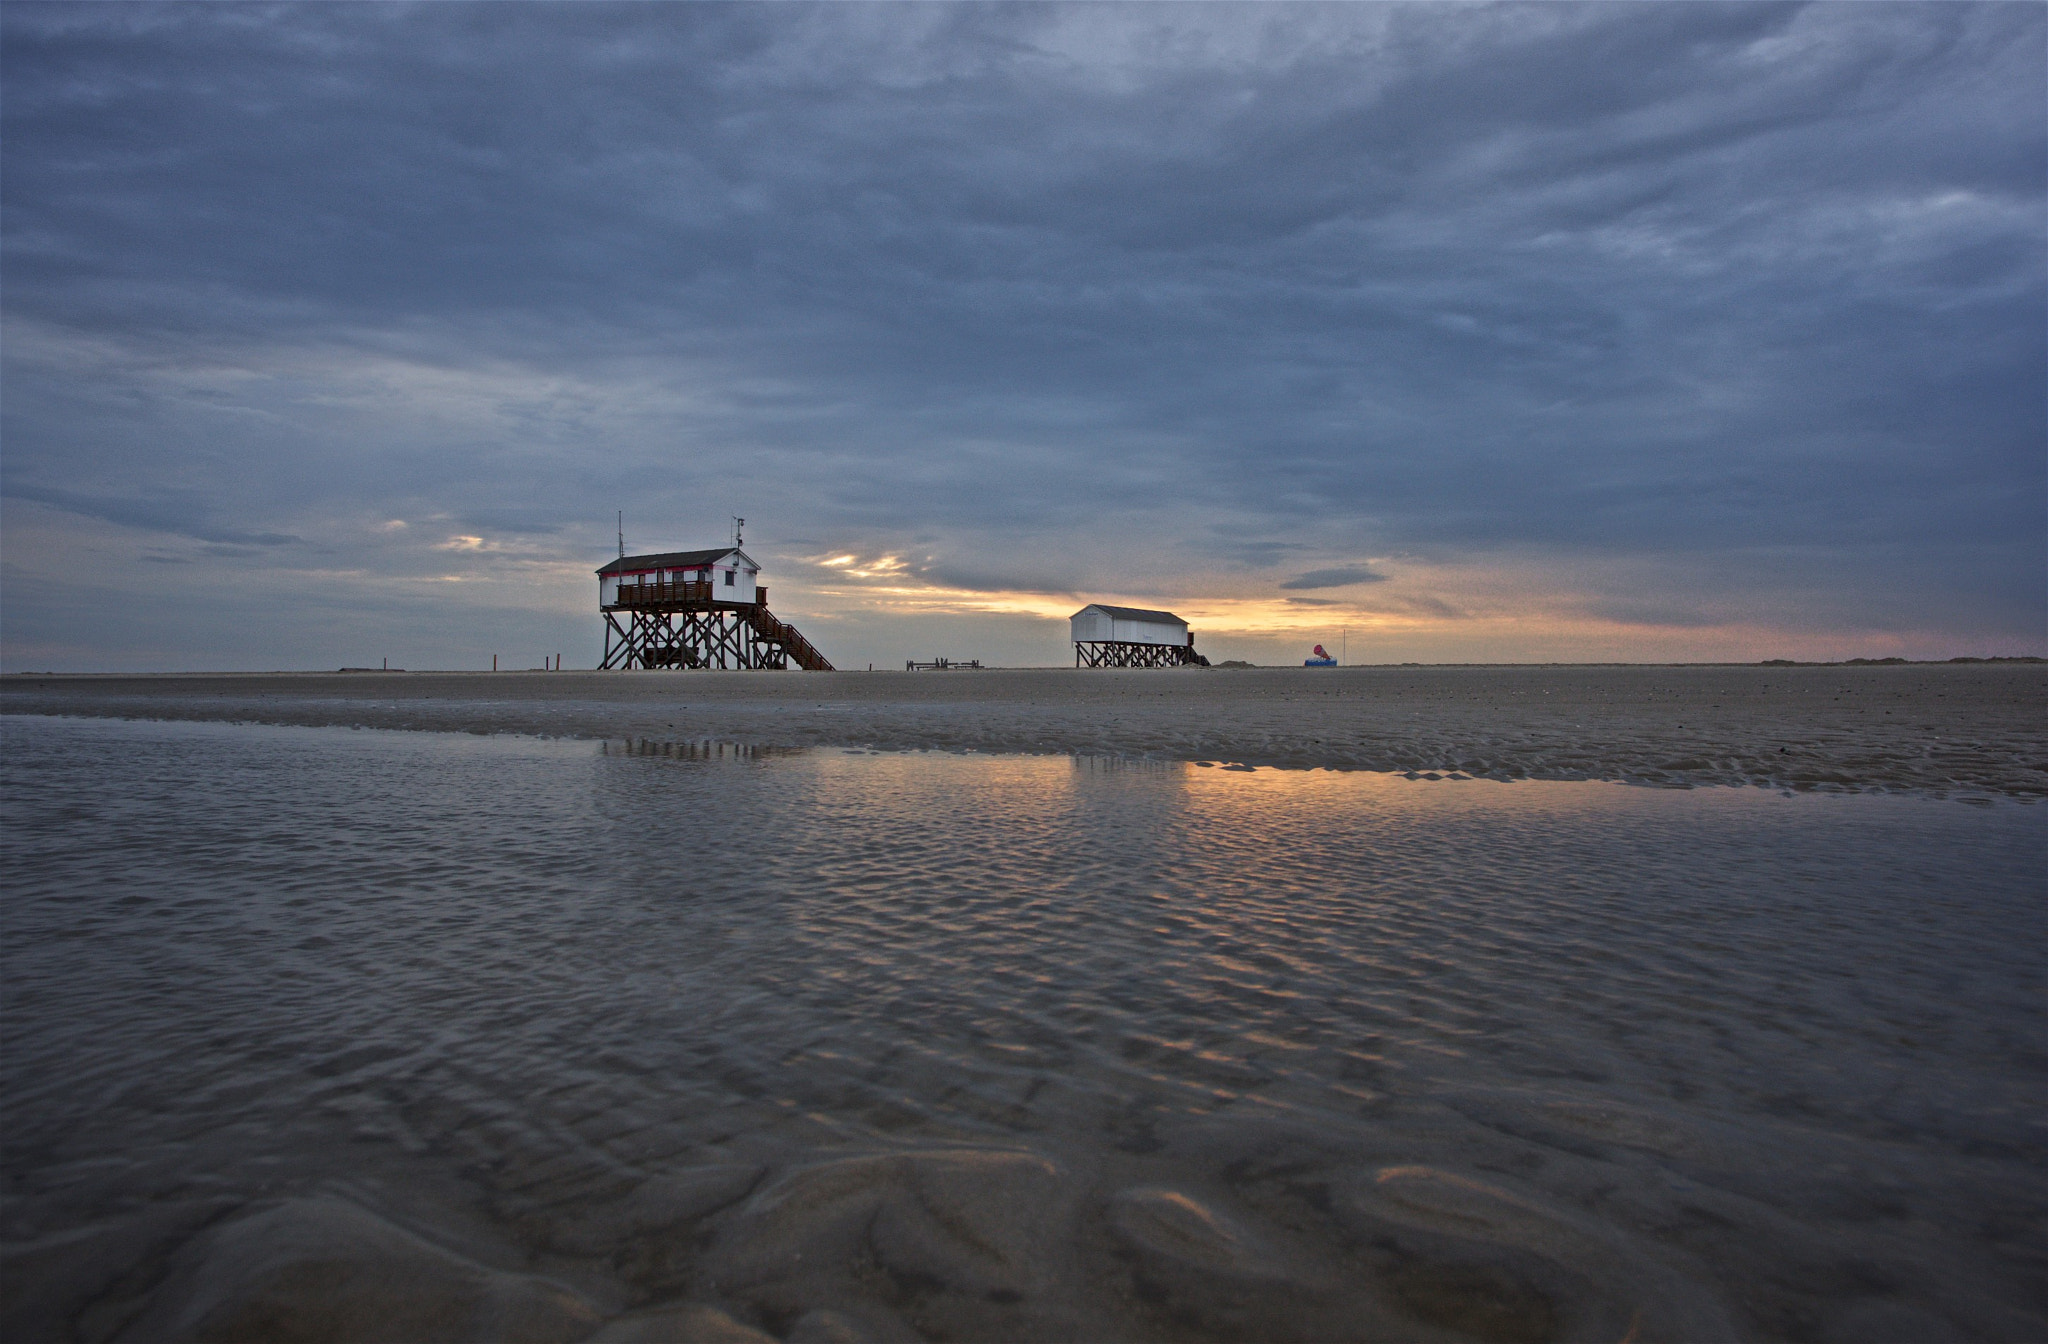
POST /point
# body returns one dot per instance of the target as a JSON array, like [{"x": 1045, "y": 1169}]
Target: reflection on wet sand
[{"x": 326, "y": 1035}]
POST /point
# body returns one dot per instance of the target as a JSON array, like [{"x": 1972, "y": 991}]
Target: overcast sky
[{"x": 341, "y": 332}]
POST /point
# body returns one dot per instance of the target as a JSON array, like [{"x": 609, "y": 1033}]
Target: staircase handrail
[{"x": 800, "y": 650}]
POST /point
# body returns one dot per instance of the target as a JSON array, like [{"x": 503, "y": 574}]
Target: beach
[
  {"x": 1065, "y": 978},
  {"x": 1964, "y": 730},
  {"x": 1025, "y": 1006}
]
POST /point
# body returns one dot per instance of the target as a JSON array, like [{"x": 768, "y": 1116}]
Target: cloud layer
[
  {"x": 1344, "y": 576},
  {"x": 1615, "y": 331}
]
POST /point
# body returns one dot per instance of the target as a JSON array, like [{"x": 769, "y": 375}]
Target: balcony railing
[{"x": 667, "y": 594}]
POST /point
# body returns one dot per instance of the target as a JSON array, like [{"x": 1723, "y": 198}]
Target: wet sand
[
  {"x": 1962, "y": 730},
  {"x": 396, "y": 1036}
]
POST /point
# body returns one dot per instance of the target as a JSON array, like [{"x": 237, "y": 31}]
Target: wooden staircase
[{"x": 781, "y": 633}]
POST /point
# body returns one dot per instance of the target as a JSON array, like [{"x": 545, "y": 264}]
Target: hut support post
[
  {"x": 1120, "y": 653},
  {"x": 724, "y": 639}
]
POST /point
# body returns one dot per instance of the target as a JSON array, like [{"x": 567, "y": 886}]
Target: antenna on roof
[
  {"x": 737, "y": 524},
  {"x": 622, "y": 534}
]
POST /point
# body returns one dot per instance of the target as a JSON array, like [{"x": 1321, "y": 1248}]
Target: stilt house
[
  {"x": 1106, "y": 636},
  {"x": 722, "y": 574},
  {"x": 695, "y": 609}
]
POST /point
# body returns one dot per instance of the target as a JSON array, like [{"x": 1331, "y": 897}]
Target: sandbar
[{"x": 1962, "y": 730}]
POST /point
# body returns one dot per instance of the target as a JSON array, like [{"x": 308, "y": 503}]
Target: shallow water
[{"x": 698, "y": 1040}]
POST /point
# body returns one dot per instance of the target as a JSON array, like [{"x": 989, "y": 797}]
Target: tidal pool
[{"x": 377, "y": 1035}]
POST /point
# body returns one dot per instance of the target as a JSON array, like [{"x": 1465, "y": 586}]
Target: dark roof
[
  {"x": 672, "y": 560},
  {"x": 1135, "y": 614}
]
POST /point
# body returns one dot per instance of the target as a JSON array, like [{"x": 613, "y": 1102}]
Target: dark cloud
[
  {"x": 1422, "y": 604},
  {"x": 1103, "y": 297},
  {"x": 1671, "y": 614},
  {"x": 525, "y": 522},
  {"x": 1255, "y": 554},
  {"x": 1344, "y": 576},
  {"x": 182, "y": 514}
]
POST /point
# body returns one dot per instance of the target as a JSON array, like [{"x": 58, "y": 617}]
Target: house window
[{"x": 728, "y": 578}]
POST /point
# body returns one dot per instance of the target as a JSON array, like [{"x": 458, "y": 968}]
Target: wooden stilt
[
  {"x": 1119, "y": 653},
  {"x": 667, "y": 629}
]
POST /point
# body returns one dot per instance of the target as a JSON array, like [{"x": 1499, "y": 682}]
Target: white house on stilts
[
  {"x": 695, "y": 609},
  {"x": 1106, "y": 636}
]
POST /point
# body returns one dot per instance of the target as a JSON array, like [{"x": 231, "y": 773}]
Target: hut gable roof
[
  {"x": 1132, "y": 614},
  {"x": 676, "y": 560}
]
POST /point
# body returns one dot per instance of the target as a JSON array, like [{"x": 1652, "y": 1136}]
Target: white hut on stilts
[
  {"x": 1106, "y": 636},
  {"x": 695, "y": 609}
]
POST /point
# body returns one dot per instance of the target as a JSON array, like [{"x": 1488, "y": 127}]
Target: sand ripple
[
  {"x": 1178, "y": 1228},
  {"x": 947, "y": 1232},
  {"x": 323, "y": 1268},
  {"x": 353, "y": 1035},
  {"x": 1586, "y": 1281}
]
